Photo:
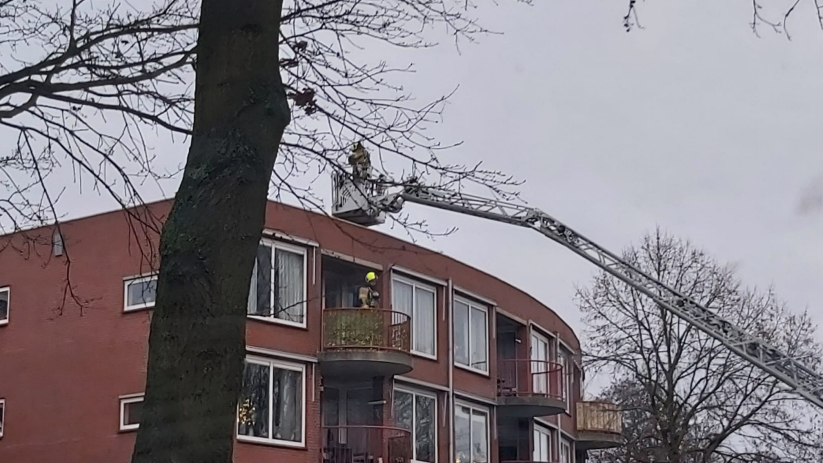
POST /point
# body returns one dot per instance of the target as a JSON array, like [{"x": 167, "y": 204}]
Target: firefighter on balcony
[
  {"x": 368, "y": 295},
  {"x": 360, "y": 160}
]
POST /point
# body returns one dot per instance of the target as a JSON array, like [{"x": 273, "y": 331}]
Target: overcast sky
[{"x": 692, "y": 124}]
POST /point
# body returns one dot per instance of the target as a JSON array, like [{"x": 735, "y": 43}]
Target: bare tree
[{"x": 688, "y": 399}]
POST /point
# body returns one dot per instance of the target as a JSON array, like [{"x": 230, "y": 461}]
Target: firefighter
[
  {"x": 368, "y": 295},
  {"x": 360, "y": 160}
]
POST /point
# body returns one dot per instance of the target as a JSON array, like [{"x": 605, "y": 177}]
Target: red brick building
[{"x": 455, "y": 365}]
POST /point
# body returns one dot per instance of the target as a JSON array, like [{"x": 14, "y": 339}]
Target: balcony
[
  {"x": 599, "y": 425},
  {"x": 360, "y": 343},
  {"x": 366, "y": 444},
  {"x": 529, "y": 388}
]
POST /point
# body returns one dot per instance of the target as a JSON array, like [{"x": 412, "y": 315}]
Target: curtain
[
  {"x": 478, "y": 339},
  {"x": 287, "y": 405},
  {"x": 289, "y": 285},
  {"x": 424, "y": 318},
  {"x": 461, "y": 333},
  {"x": 260, "y": 290}
]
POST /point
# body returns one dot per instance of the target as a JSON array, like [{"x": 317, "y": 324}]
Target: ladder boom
[{"x": 787, "y": 369}]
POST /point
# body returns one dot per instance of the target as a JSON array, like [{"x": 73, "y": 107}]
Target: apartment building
[{"x": 455, "y": 365}]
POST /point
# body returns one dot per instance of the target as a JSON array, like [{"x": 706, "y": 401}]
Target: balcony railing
[
  {"x": 530, "y": 378},
  {"x": 366, "y": 444},
  {"x": 599, "y": 417},
  {"x": 366, "y": 329}
]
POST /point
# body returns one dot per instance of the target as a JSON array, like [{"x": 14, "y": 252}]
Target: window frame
[
  {"x": 2, "y": 416},
  {"x": 564, "y": 444},
  {"x": 7, "y": 290},
  {"x": 483, "y": 308},
  {"x": 139, "y": 279},
  {"x": 283, "y": 365},
  {"x": 125, "y": 400},
  {"x": 414, "y": 393},
  {"x": 475, "y": 408},
  {"x": 289, "y": 247},
  {"x": 540, "y": 429},
  {"x": 415, "y": 284}
]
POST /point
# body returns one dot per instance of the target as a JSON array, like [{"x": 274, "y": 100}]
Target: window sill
[
  {"x": 277, "y": 321},
  {"x": 4, "y": 322},
  {"x": 472, "y": 370},
  {"x": 271, "y": 443},
  {"x": 137, "y": 308},
  {"x": 423, "y": 355},
  {"x": 127, "y": 430}
]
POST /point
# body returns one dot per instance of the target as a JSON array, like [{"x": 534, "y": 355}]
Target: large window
[
  {"x": 278, "y": 284},
  {"x": 272, "y": 403},
  {"x": 417, "y": 412},
  {"x": 419, "y": 303},
  {"x": 4, "y": 306},
  {"x": 542, "y": 444},
  {"x": 471, "y": 431},
  {"x": 471, "y": 335},
  {"x": 140, "y": 293},
  {"x": 565, "y": 451},
  {"x": 131, "y": 409}
]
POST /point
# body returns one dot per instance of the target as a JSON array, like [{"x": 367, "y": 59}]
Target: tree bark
[{"x": 207, "y": 248}]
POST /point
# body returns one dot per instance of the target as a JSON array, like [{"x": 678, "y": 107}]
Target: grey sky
[{"x": 693, "y": 124}]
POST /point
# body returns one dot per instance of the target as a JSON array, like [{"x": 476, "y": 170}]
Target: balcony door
[{"x": 540, "y": 367}]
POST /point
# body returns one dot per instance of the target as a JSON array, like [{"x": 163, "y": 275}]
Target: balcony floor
[
  {"x": 597, "y": 440},
  {"x": 364, "y": 363},
  {"x": 529, "y": 406}
]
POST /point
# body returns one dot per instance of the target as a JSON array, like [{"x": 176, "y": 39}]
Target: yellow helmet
[{"x": 371, "y": 276}]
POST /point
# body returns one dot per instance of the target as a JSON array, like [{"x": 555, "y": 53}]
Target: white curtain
[
  {"x": 424, "y": 318},
  {"x": 461, "y": 333},
  {"x": 287, "y": 405},
  {"x": 480, "y": 433},
  {"x": 289, "y": 279},
  {"x": 478, "y": 337}
]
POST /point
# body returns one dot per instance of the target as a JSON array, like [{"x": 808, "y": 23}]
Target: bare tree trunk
[{"x": 207, "y": 248}]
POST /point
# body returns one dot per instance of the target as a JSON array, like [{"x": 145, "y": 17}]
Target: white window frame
[
  {"x": 483, "y": 308},
  {"x": 276, "y": 244},
  {"x": 414, "y": 393},
  {"x": 564, "y": 444},
  {"x": 476, "y": 408},
  {"x": 7, "y": 290},
  {"x": 129, "y": 281},
  {"x": 535, "y": 334},
  {"x": 125, "y": 400},
  {"x": 2, "y": 416},
  {"x": 415, "y": 285},
  {"x": 283, "y": 366},
  {"x": 540, "y": 429}
]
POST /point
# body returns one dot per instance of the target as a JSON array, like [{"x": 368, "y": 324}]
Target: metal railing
[
  {"x": 598, "y": 416},
  {"x": 366, "y": 329},
  {"x": 527, "y": 378},
  {"x": 366, "y": 444}
]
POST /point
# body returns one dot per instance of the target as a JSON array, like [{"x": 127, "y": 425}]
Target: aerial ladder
[{"x": 365, "y": 200}]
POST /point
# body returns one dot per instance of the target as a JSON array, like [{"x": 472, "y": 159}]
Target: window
[
  {"x": 565, "y": 452},
  {"x": 542, "y": 444},
  {"x": 4, "y": 306},
  {"x": 568, "y": 373},
  {"x": 278, "y": 284},
  {"x": 272, "y": 403},
  {"x": 140, "y": 293},
  {"x": 540, "y": 367},
  {"x": 131, "y": 408},
  {"x": 2, "y": 415},
  {"x": 417, "y": 412},
  {"x": 471, "y": 430},
  {"x": 419, "y": 303},
  {"x": 57, "y": 246},
  {"x": 471, "y": 335}
]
